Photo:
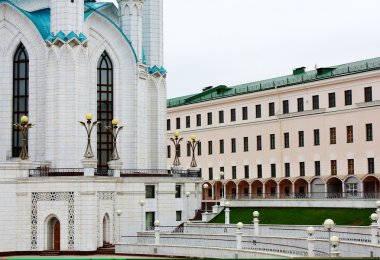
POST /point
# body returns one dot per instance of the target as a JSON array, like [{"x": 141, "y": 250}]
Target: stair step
[{"x": 49, "y": 253}]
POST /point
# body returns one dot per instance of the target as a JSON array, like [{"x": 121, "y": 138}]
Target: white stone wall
[{"x": 66, "y": 16}]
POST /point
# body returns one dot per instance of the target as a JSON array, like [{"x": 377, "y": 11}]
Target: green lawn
[{"x": 299, "y": 216}]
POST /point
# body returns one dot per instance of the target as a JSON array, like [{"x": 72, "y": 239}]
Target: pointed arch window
[
  {"x": 105, "y": 110},
  {"x": 20, "y": 95}
]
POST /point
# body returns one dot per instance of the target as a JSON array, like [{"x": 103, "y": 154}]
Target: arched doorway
[
  {"x": 243, "y": 188},
  {"x": 285, "y": 188},
  {"x": 334, "y": 188},
  {"x": 106, "y": 229},
  {"x": 371, "y": 187},
  {"x": 300, "y": 188},
  {"x": 317, "y": 188},
  {"x": 53, "y": 234}
]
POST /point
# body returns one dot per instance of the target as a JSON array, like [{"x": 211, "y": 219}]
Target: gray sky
[{"x": 230, "y": 42}]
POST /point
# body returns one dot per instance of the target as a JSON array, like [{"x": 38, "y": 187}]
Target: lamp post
[
  {"x": 118, "y": 213},
  {"x": 156, "y": 232},
  {"x": 24, "y": 128},
  {"x": 310, "y": 241},
  {"x": 239, "y": 234},
  {"x": 176, "y": 141},
  {"x": 374, "y": 228},
  {"x": 329, "y": 225},
  {"x": 193, "y": 144},
  {"x": 205, "y": 186},
  {"x": 142, "y": 202},
  {"x": 187, "y": 193},
  {"x": 256, "y": 222},
  {"x": 334, "y": 241},
  {"x": 114, "y": 130},
  {"x": 222, "y": 178},
  {"x": 89, "y": 127},
  {"x": 227, "y": 213}
]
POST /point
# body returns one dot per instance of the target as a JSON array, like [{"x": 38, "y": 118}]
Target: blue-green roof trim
[
  {"x": 280, "y": 82},
  {"x": 94, "y": 8}
]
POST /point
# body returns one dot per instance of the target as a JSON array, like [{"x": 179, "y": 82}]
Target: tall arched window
[
  {"x": 105, "y": 110},
  {"x": 20, "y": 95}
]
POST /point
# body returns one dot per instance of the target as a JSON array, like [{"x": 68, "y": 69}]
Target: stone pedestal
[
  {"x": 176, "y": 168},
  {"x": 215, "y": 209},
  {"x": 115, "y": 165},
  {"x": 256, "y": 226},
  {"x": 310, "y": 246},
  {"x": 227, "y": 216},
  {"x": 205, "y": 216},
  {"x": 89, "y": 165},
  {"x": 239, "y": 236}
]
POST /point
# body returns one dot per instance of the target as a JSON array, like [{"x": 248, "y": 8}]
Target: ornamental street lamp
[
  {"x": 118, "y": 213},
  {"x": 114, "y": 130},
  {"x": 193, "y": 144},
  {"x": 89, "y": 126},
  {"x": 310, "y": 241},
  {"x": 176, "y": 140},
  {"x": 329, "y": 225},
  {"x": 205, "y": 186},
  {"x": 334, "y": 241},
  {"x": 187, "y": 193},
  {"x": 24, "y": 128}
]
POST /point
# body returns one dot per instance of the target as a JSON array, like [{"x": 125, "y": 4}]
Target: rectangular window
[
  {"x": 316, "y": 102},
  {"x": 149, "y": 221},
  {"x": 210, "y": 173},
  {"x": 178, "y": 123},
  {"x": 300, "y": 104},
  {"x": 287, "y": 169},
  {"x": 258, "y": 143},
  {"x": 188, "y": 149},
  {"x": 333, "y": 167},
  {"x": 221, "y": 169},
  {"x": 258, "y": 111},
  {"x": 271, "y": 109},
  {"x": 273, "y": 170},
  {"x": 209, "y": 147},
  {"x": 371, "y": 165},
  {"x": 316, "y": 137},
  {"x": 246, "y": 147},
  {"x": 369, "y": 133},
  {"x": 246, "y": 171},
  {"x": 245, "y": 113},
  {"x": 317, "y": 168},
  {"x": 149, "y": 191},
  {"x": 209, "y": 118},
  {"x": 178, "y": 215},
  {"x": 178, "y": 191},
  {"x": 221, "y": 117},
  {"x": 285, "y": 106},
  {"x": 187, "y": 121},
  {"x": 286, "y": 140},
  {"x": 259, "y": 171},
  {"x": 168, "y": 125},
  {"x": 332, "y": 135},
  {"x": 233, "y": 114},
  {"x": 199, "y": 147},
  {"x": 350, "y": 134},
  {"x": 302, "y": 168},
  {"x": 348, "y": 97},
  {"x": 272, "y": 141},
  {"x": 332, "y": 99},
  {"x": 233, "y": 145},
  {"x": 301, "y": 141},
  {"x": 234, "y": 172},
  {"x": 199, "y": 120},
  {"x": 350, "y": 166},
  {"x": 169, "y": 151},
  {"x": 368, "y": 94},
  {"x": 221, "y": 146}
]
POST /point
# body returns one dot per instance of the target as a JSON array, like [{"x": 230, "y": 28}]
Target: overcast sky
[{"x": 230, "y": 42}]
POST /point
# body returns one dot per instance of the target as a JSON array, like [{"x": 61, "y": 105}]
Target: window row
[
  {"x": 272, "y": 141},
  {"x": 287, "y": 169},
  {"x": 271, "y": 109},
  {"x": 150, "y": 191}
]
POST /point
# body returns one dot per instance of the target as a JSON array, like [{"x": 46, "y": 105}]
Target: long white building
[
  {"x": 308, "y": 134},
  {"x": 60, "y": 60}
]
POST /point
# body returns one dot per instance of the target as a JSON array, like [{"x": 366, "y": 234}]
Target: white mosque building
[{"x": 60, "y": 60}]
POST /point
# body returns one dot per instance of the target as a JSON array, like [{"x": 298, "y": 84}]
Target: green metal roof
[{"x": 279, "y": 82}]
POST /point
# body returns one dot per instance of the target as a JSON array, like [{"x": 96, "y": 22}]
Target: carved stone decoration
[
  {"x": 53, "y": 196},
  {"x": 106, "y": 195}
]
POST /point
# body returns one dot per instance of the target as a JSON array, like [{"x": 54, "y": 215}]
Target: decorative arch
[
  {"x": 106, "y": 229},
  {"x": 257, "y": 189},
  {"x": 104, "y": 109},
  {"x": 285, "y": 187},
  {"x": 371, "y": 186},
  {"x": 52, "y": 233},
  {"x": 20, "y": 100}
]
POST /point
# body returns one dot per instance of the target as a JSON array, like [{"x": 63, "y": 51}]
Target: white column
[
  {"x": 343, "y": 190},
  {"x": 157, "y": 235},
  {"x": 278, "y": 190},
  {"x": 309, "y": 189},
  {"x": 237, "y": 191},
  {"x": 212, "y": 192},
  {"x": 264, "y": 191},
  {"x": 256, "y": 227},
  {"x": 374, "y": 229},
  {"x": 224, "y": 191},
  {"x": 310, "y": 246},
  {"x": 293, "y": 190},
  {"x": 239, "y": 235},
  {"x": 361, "y": 189},
  {"x": 250, "y": 190},
  {"x": 326, "y": 190},
  {"x": 227, "y": 216}
]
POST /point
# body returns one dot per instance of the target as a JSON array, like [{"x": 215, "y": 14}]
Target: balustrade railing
[
  {"x": 311, "y": 195},
  {"x": 104, "y": 172},
  {"x": 55, "y": 172}
]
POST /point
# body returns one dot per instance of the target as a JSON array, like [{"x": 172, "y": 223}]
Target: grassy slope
[{"x": 300, "y": 216}]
